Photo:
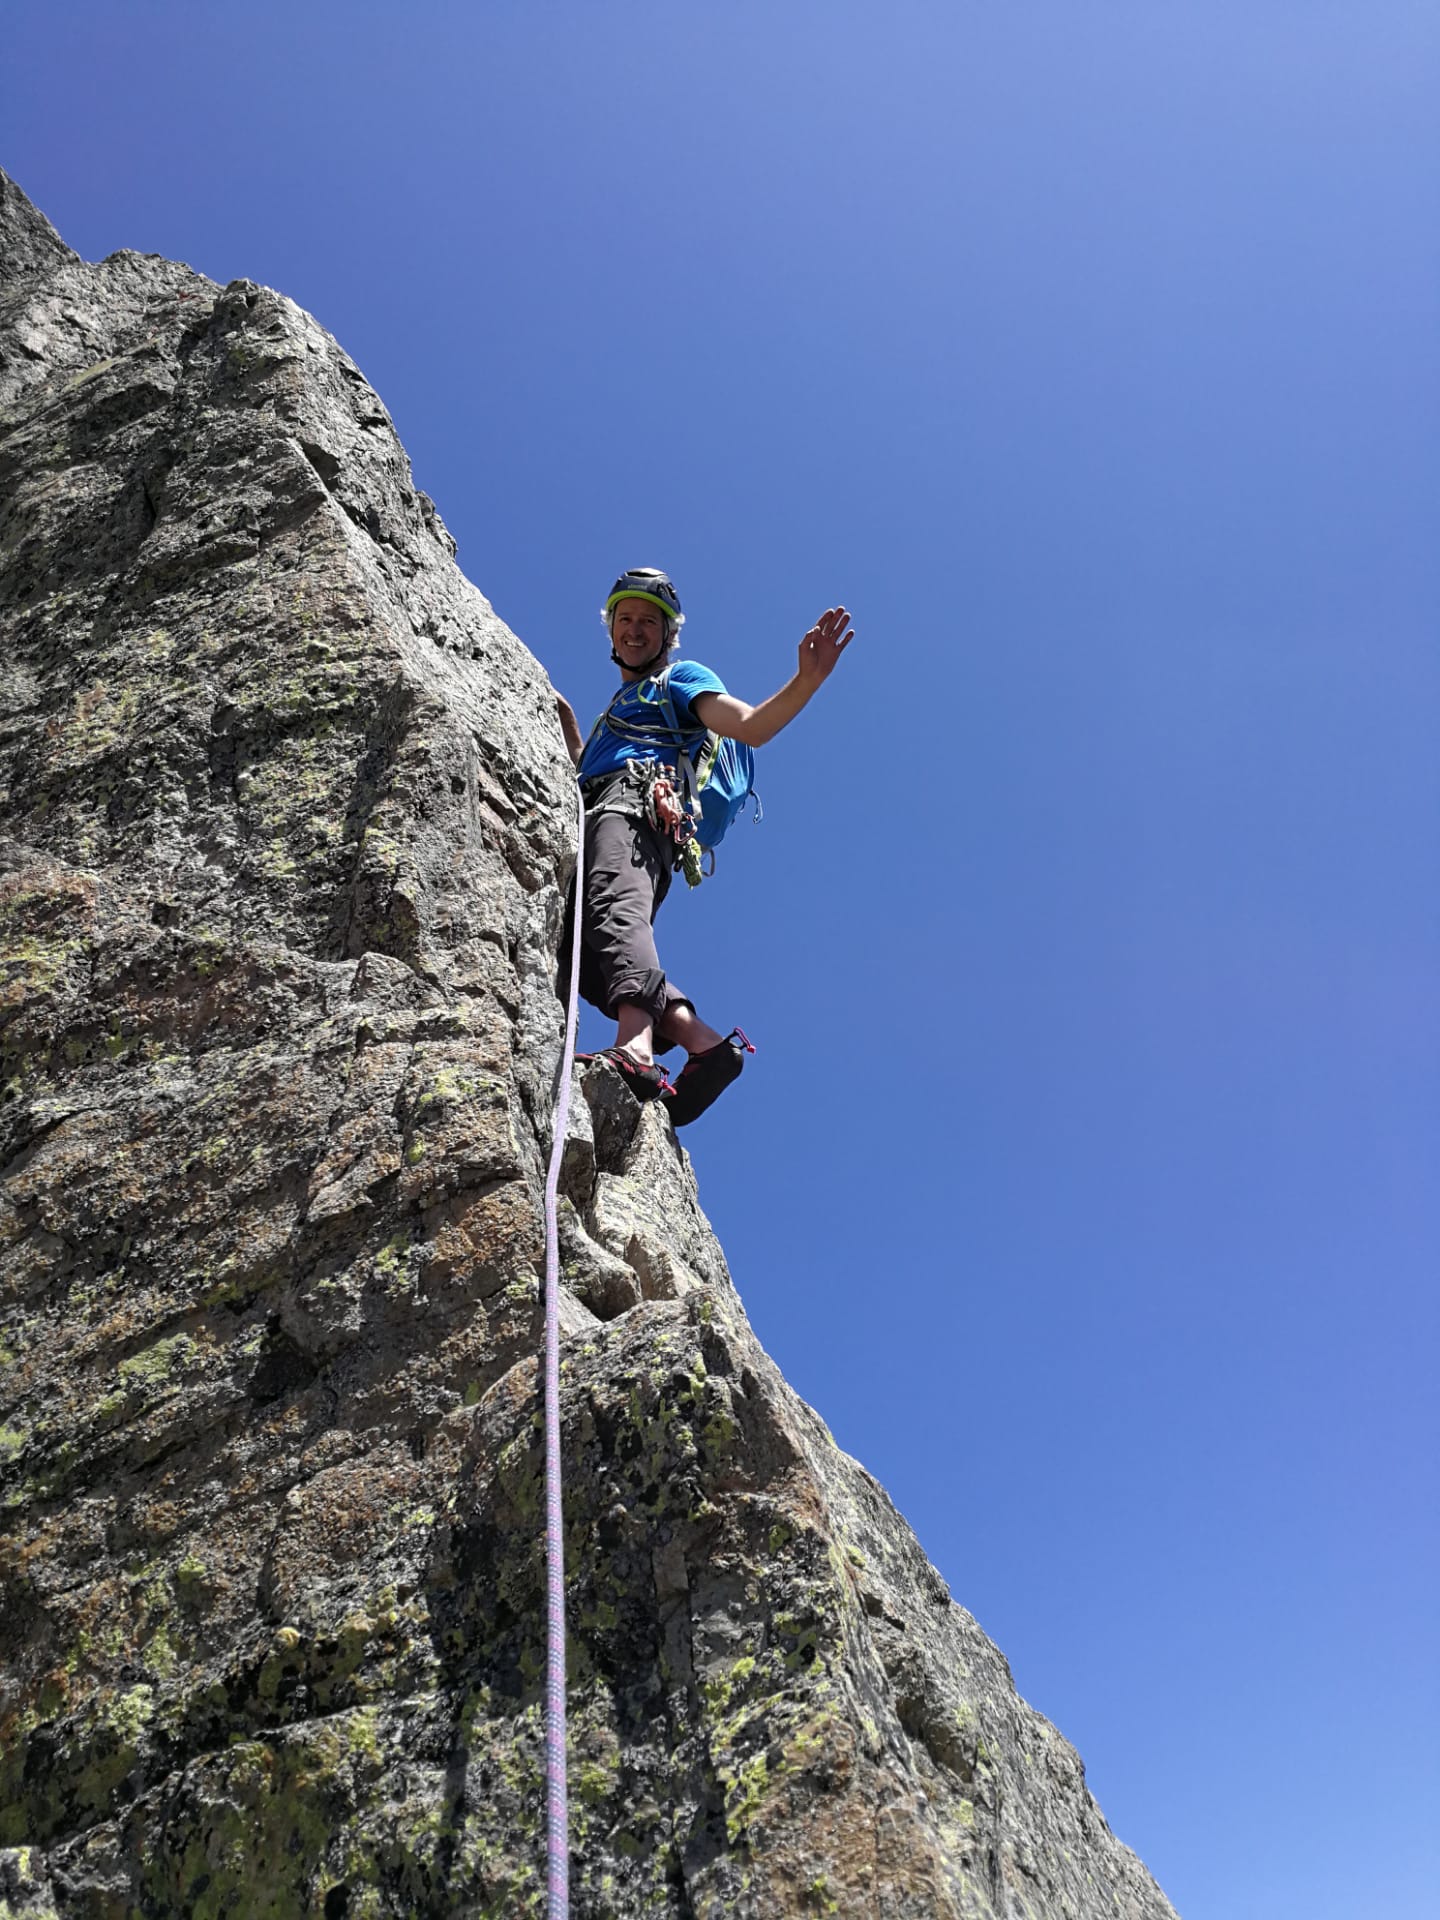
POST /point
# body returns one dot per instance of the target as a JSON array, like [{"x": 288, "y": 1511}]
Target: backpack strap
[
  {"x": 691, "y": 779},
  {"x": 693, "y": 772}
]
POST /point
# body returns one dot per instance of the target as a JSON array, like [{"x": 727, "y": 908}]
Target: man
[{"x": 635, "y": 808}]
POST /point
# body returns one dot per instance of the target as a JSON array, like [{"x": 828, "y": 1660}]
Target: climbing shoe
[
  {"x": 705, "y": 1077},
  {"x": 645, "y": 1082}
]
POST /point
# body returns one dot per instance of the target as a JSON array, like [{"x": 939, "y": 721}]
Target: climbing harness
[
  {"x": 713, "y": 776},
  {"x": 632, "y": 790},
  {"x": 557, "y": 1796}
]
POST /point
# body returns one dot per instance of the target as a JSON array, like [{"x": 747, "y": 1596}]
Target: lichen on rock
[{"x": 285, "y": 829}]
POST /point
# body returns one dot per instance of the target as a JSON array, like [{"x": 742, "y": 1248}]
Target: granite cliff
[{"x": 285, "y": 822}]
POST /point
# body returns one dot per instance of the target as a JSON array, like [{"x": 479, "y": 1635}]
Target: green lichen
[
  {"x": 34, "y": 964},
  {"x": 720, "y": 1689},
  {"x": 88, "y": 374},
  {"x": 719, "y": 1432},
  {"x": 593, "y": 1782},
  {"x": 378, "y": 850},
  {"x": 26, "y": 1879},
  {"x": 363, "y": 1733},
  {"x": 207, "y": 950},
  {"x": 128, "y": 1714},
  {"x": 272, "y": 1829},
  {"x": 101, "y": 718},
  {"x": 390, "y": 1262},
  {"x": 153, "y": 1366},
  {"x": 451, "y": 1088},
  {"x": 744, "y": 1790},
  {"x": 159, "y": 1657}
]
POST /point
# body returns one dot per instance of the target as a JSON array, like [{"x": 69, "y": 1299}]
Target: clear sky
[{"x": 1085, "y": 1180}]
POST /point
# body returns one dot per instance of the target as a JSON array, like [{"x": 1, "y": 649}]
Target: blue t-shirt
[{"x": 640, "y": 704}]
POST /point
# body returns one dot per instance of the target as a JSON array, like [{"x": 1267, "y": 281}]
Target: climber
[{"x": 635, "y": 809}]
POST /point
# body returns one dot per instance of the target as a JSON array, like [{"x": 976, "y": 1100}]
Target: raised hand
[{"x": 823, "y": 646}]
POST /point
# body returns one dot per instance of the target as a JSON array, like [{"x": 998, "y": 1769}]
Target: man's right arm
[{"x": 570, "y": 727}]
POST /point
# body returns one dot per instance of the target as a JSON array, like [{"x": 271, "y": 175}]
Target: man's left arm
[{"x": 819, "y": 651}]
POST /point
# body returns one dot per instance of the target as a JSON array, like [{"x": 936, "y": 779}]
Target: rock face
[{"x": 287, "y": 822}]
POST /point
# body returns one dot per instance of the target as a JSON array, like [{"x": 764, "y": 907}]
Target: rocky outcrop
[{"x": 286, "y": 825}]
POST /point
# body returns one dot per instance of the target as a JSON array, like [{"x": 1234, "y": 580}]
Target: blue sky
[{"x": 1085, "y": 1178}]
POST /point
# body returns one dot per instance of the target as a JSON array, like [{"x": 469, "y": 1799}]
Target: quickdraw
[{"x": 637, "y": 788}]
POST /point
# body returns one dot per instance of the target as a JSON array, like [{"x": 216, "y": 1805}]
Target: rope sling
[{"x": 557, "y": 1794}]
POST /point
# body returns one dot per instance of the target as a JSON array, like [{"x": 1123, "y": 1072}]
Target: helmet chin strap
[{"x": 644, "y": 666}]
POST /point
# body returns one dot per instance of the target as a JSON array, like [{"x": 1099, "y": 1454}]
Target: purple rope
[{"x": 557, "y": 1795}]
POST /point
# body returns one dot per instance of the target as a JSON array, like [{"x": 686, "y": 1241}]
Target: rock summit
[{"x": 285, "y": 828}]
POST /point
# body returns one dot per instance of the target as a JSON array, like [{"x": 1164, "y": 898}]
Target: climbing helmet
[{"x": 648, "y": 583}]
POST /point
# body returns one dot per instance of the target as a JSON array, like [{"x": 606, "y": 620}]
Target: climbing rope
[{"x": 557, "y": 1795}]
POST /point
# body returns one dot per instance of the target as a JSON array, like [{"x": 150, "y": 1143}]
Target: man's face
[{"x": 637, "y": 632}]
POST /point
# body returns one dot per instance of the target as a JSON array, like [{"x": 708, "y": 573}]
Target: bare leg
[
  {"x": 635, "y": 1032},
  {"x": 682, "y": 1023}
]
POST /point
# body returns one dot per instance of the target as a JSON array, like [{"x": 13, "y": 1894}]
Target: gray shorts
[{"x": 628, "y": 866}]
